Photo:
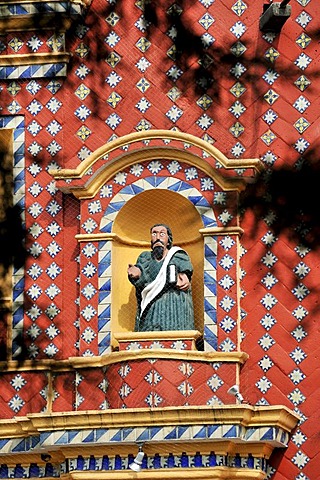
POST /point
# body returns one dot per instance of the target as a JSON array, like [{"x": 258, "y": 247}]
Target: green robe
[{"x": 172, "y": 309}]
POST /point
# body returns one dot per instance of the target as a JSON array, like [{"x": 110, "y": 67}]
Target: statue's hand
[
  {"x": 183, "y": 282},
  {"x": 133, "y": 272}
]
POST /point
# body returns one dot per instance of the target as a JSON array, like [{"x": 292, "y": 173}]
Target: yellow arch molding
[{"x": 150, "y": 153}]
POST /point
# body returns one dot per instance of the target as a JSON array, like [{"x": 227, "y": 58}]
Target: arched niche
[{"x": 133, "y": 223}]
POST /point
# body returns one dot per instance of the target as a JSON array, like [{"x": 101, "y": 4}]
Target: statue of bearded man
[{"x": 162, "y": 278}]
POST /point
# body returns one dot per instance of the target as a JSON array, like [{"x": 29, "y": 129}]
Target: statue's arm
[
  {"x": 184, "y": 270},
  {"x": 183, "y": 263},
  {"x": 137, "y": 273}
]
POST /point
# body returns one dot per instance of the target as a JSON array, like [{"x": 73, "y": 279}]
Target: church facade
[{"x": 116, "y": 115}]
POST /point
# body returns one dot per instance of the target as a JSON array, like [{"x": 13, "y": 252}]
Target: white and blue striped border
[
  {"x": 208, "y": 219},
  {"x": 128, "y": 435},
  {"x": 16, "y": 123},
  {"x": 47, "y": 70}
]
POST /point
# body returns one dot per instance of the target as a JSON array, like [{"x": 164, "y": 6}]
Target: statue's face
[{"x": 159, "y": 237}]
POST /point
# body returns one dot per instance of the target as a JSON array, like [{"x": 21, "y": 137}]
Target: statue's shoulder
[
  {"x": 144, "y": 257},
  {"x": 180, "y": 253}
]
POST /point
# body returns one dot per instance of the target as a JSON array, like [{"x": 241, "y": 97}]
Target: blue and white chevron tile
[{"x": 49, "y": 70}]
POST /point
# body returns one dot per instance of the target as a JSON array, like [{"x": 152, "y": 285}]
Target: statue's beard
[{"x": 157, "y": 252}]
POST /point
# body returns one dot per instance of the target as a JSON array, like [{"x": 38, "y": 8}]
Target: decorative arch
[
  {"x": 156, "y": 182},
  {"x": 218, "y": 229},
  {"x": 131, "y": 244},
  {"x": 86, "y": 179}
]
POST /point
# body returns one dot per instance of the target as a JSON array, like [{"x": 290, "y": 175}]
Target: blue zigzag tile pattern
[
  {"x": 208, "y": 219},
  {"x": 16, "y": 124}
]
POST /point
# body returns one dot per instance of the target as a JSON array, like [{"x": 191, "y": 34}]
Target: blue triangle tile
[
  {"x": 202, "y": 433},
  {"x": 199, "y": 201},
  {"x": 208, "y": 221},
  {"x": 72, "y": 434},
  {"x": 175, "y": 187},
  {"x": 126, "y": 432},
  {"x": 107, "y": 228},
  {"x": 136, "y": 189},
  {"x": 100, "y": 432},
  {"x": 155, "y": 181},
  {"x": 179, "y": 186},
  {"x": 172, "y": 434},
  {"x": 117, "y": 437},
  {"x": 212, "y": 314},
  {"x": 268, "y": 435},
  {"x": 143, "y": 436},
  {"x": 208, "y": 279},
  {"x": 20, "y": 447},
  {"x": 154, "y": 431},
  {"x": 209, "y": 252},
  {"x": 232, "y": 432},
  {"x": 212, "y": 288},
  {"x": 114, "y": 207},
  {"x": 212, "y": 429},
  {"x": 181, "y": 431}
]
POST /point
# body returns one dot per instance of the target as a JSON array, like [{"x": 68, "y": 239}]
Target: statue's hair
[{"x": 169, "y": 232}]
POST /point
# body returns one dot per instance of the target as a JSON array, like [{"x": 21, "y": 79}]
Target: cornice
[
  {"x": 246, "y": 415},
  {"x": 225, "y": 429},
  {"x": 148, "y": 135},
  {"x": 214, "y": 473},
  {"x": 34, "y": 59},
  {"x": 82, "y": 186},
  {"x": 115, "y": 237},
  {"x": 74, "y": 363},
  {"x": 17, "y": 16}
]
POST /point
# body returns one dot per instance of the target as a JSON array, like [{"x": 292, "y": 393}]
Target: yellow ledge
[
  {"x": 212, "y": 473},
  {"x": 245, "y": 415},
  {"x": 34, "y": 59},
  {"x": 57, "y": 424},
  {"x": 96, "y": 237},
  {"x": 73, "y": 363},
  {"x": 62, "y": 21}
]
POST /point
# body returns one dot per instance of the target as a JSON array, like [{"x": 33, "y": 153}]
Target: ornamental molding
[
  {"x": 74, "y": 363},
  {"x": 97, "y": 237},
  {"x": 227, "y": 429},
  {"x": 38, "y": 17},
  {"x": 215, "y": 473},
  {"x": 17, "y": 16},
  {"x": 86, "y": 179}
]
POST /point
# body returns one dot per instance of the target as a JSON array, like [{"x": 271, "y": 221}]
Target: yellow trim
[
  {"x": 246, "y": 415},
  {"x": 277, "y": 416},
  {"x": 61, "y": 20},
  {"x": 101, "y": 361},
  {"x": 170, "y": 335},
  {"x": 84, "y": 166},
  {"x": 34, "y": 59},
  {"x": 155, "y": 336},
  {"x": 110, "y": 168},
  {"x": 207, "y": 473},
  {"x": 209, "y": 231},
  {"x": 114, "y": 237},
  {"x": 164, "y": 353},
  {"x": 97, "y": 237}
]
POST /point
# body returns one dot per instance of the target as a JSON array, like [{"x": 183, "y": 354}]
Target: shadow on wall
[
  {"x": 203, "y": 64},
  {"x": 288, "y": 200},
  {"x": 12, "y": 250}
]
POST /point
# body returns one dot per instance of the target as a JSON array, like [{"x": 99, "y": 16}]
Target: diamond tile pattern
[{"x": 218, "y": 78}]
